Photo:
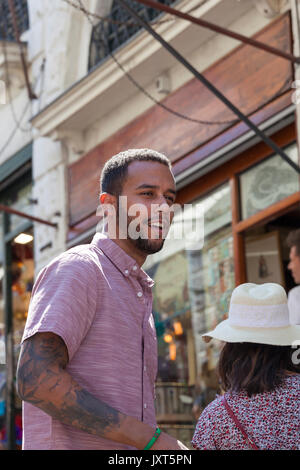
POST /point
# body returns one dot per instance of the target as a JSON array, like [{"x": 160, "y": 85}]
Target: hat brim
[{"x": 281, "y": 336}]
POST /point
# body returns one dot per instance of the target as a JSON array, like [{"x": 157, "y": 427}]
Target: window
[
  {"x": 107, "y": 36},
  {"x": 191, "y": 294},
  {"x": 268, "y": 182},
  {"x": 6, "y": 20}
]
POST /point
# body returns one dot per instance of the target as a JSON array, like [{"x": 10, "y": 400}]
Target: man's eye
[{"x": 148, "y": 193}]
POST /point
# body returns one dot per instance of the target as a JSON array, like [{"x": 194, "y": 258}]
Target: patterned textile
[{"x": 271, "y": 420}]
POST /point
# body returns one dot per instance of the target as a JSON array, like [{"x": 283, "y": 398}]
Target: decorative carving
[
  {"x": 73, "y": 139},
  {"x": 11, "y": 71}
]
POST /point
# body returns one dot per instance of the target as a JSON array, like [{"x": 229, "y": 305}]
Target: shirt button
[
  {"x": 126, "y": 271},
  {"x": 145, "y": 405},
  {"x": 134, "y": 268},
  {"x": 140, "y": 294},
  {"x": 145, "y": 368}
]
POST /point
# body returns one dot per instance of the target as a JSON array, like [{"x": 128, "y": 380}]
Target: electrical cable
[
  {"x": 210, "y": 86},
  {"x": 111, "y": 20},
  {"x": 159, "y": 103},
  {"x": 8, "y": 88},
  {"x": 145, "y": 92},
  {"x": 24, "y": 111}
]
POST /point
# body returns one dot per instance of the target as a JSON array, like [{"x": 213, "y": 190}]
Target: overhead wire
[
  {"x": 17, "y": 120},
  {"x": 210, "y": 86},
  {"x": 107, "y": 19},
  {"x": 24, "y": 111},
  {"x": 142, "y": 89},
  {"x": 89, "y": 15},
  {"x": 8, "y": 89},
  {"x": 6, "y": 71}
]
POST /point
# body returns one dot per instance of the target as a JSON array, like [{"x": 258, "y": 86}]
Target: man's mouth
[{"x": 158, "y": 226}]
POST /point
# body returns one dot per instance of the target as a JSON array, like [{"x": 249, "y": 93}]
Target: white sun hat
[{"x": 258, "y": 313}]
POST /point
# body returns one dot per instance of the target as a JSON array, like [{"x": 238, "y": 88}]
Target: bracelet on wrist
[{"x": 153, "y": 440}]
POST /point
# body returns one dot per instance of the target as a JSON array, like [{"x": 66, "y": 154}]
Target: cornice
[{"x": 105, "y": 87}]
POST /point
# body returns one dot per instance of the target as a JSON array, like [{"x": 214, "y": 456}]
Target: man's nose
[
  {"x": 162, "y": 204},
  {"x": 162, "y": 201}
]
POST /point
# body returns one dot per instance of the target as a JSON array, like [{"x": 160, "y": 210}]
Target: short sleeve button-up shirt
[{"x": 99, "y": 301}]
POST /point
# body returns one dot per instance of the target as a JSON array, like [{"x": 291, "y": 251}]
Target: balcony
[
  {"x": 6, "y": 22},
  {"x": 106, "y": 89},
  {"x": 11, "y": 70},
  {"x": 118, "y": 28}
]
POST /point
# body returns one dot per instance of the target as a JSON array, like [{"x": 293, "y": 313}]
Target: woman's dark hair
[
  {"x": 255, "y": 368},
  {"x": 115, "y": 169}
]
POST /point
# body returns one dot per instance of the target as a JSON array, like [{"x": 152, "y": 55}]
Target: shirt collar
[{"x": 123, "y": 262}]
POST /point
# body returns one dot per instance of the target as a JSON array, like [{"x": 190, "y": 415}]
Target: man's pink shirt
[{"x": 99, "y": 301}]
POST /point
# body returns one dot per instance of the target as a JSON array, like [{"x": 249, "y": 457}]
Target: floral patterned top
[{"x": 270, "y": 419}]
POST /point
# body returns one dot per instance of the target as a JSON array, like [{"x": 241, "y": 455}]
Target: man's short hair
[
  {"x": 115, "y": 169},
  {"x": 293, "y": 239}
]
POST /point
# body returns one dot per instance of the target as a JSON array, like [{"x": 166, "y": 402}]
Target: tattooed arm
[{"x": 43, "y": 381}]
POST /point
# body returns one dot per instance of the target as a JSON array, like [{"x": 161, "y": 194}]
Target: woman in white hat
[{"x": 259, "y": 370}]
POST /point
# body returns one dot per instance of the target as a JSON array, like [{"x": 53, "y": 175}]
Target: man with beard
[{"x": 88, "y": 363}]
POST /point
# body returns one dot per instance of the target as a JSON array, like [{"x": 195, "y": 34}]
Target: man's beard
[
  {"x": 143, "y": 244},
  {"x": 148, "y": 246}
]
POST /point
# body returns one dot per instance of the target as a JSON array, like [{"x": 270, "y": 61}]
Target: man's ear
[
  {"x": 108, "y": 204},
  {"x": 107, "y": 198},
  {"x": 108, "y": 211}
]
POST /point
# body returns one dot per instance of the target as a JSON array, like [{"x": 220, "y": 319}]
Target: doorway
[{"x": 266, "y": 250}]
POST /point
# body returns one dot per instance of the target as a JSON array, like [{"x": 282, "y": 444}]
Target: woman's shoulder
[
  {"x": 214, "y": 408},
  {"x": 287, "y": 391},
  {"x": 291, "y": 383},
  {"x": 290, "y": 387}
]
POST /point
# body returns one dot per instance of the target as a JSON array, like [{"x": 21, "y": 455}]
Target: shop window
[
  {"x": 17, "y": 270},
  {"x": 191, "y": 294},
  {"x": 268, "y": 182},
  {"x": 267, "y": 252},
  {"x": 22, "y": 284}
]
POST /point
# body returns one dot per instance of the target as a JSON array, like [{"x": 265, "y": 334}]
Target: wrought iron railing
[
  {"x": 118, "y": 27},
  {"x": 6, "y": 21}
]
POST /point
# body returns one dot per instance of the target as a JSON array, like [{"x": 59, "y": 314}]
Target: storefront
[
  {"x": 191, "y": 292},
  {"x": 249, "y": 206},
  {"x": 16, "y": 281},
  {"x": 252, "y": 203}
]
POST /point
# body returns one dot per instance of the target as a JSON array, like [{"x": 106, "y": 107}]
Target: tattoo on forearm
[{"x": 43, "y": 382}]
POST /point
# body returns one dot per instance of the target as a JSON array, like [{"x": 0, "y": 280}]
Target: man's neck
[{"x": 129, "y": 249}]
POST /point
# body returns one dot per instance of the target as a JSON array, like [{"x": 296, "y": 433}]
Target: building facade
[{"x": 99, "y": 84}]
